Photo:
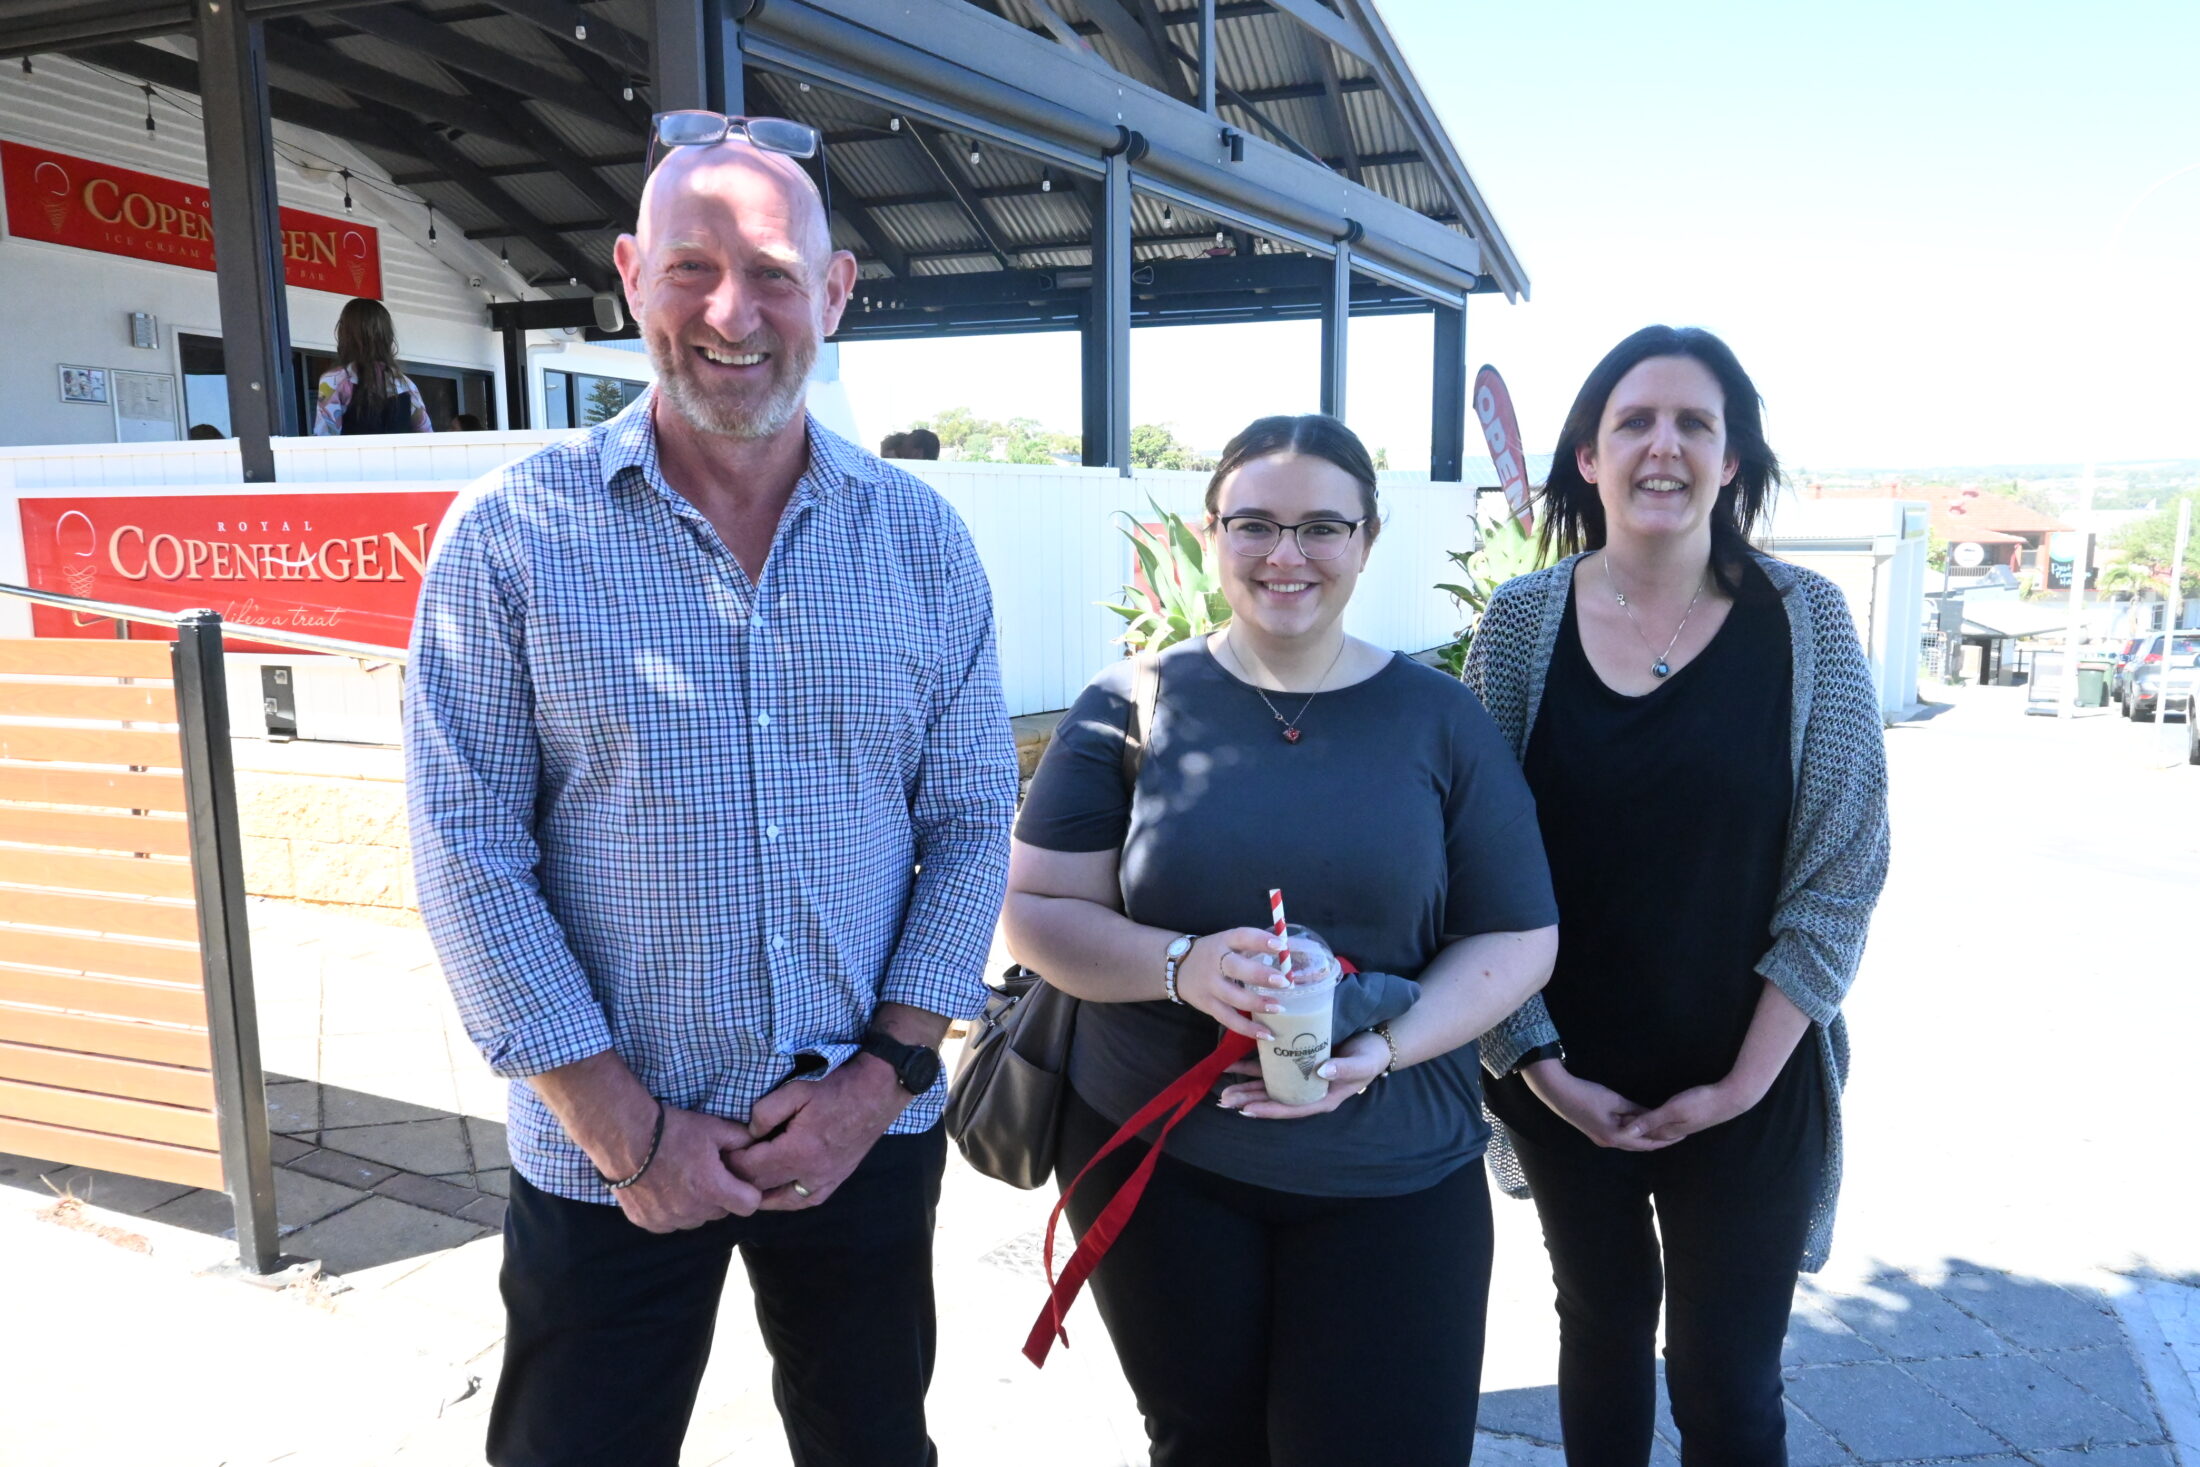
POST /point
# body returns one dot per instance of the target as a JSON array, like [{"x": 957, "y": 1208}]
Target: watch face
[
  {"x": 1180, "y": 947},
  {"x": 920, "y": 1071}
]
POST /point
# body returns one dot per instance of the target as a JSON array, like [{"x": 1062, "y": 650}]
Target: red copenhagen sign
[
  {"x": 333, "y": 565},
  {"x": 95, "y": 206},
  {"x": 1493, "y": 405}
]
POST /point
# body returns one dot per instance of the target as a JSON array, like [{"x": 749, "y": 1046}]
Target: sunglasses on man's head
[{"x": 694, "y": 128}]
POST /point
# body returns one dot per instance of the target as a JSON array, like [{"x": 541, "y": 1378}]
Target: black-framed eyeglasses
[
  {"x": 695, "y": 128},
  {"x": 1318, "y": 539}
]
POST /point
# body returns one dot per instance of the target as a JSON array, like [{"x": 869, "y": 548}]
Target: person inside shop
[
  {"x": 921, "y": 443},
  {"x": 466, "y": 423},
  {"x": 204, "y": 432},
  {"x": 894, "y": 445},
  {"x": 1701, "y": 732},
  {"x": 1298, "y": 1283},
  {"x": 364, "y": 392}
]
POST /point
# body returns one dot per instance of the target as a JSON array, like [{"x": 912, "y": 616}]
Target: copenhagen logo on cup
[{"x": 1303, "y": 1028}]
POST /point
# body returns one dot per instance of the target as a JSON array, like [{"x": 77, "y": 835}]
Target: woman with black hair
[
  {"x": 1701, "y": 732},
  {"x": 364, "y": 392},
  {"x": 1308, "y": 1285}
]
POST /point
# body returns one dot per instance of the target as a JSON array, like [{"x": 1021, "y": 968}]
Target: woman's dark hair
[
  {"x": 1314, "y": 434},
  {"x": 366, "y": 342},
  {"x": 1573, "y": 516}
]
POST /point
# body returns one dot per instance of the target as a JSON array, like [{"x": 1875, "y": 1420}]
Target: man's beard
[{"x": 679, "y": 382}]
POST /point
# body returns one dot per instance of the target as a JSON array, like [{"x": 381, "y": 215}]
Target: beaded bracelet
[
  {"x": 655, "y": 1138},
  {"x": 1384, "y": 1030}
]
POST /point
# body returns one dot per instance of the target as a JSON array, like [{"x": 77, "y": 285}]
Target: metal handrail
[{"x": 117, "y": 611}]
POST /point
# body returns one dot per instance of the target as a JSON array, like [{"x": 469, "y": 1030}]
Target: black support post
[
  {"x": 1107, "y": 356},
  {"x": 518, "y": 401},
  {"x": 240, "y": 166},
  {"x": 697, "y": 55},
  {"x": 225, "y": 943},
  {"x": 1447, "y": 416},
  {"x": 1336, "y": 321},
  {"x": 1207, "y": 57}
]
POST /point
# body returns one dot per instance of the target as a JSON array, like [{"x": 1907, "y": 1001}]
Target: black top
[
  {"x": 1665, "y": 817},
  {"x": 1398, "y": 821}
]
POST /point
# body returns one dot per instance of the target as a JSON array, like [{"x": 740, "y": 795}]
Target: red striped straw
[{"x": 1275, "y": 907}]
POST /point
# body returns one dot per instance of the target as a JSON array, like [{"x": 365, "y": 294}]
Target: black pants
[
  {"x": 1270, "y": 1329},
  {"x": 609, "y": 1327},
  {"x": 1732, "y": 1207}
]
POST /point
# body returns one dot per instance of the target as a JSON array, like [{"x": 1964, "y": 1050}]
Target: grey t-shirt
[{"x": 1398, "y": 821}]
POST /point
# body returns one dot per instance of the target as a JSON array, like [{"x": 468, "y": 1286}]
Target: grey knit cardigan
[{"x": 1836, "y": 858}]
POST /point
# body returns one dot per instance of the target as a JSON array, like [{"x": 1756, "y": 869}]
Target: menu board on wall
[
  {"x": 65, "y": 200},
  {"x": 145, "y": 407}
]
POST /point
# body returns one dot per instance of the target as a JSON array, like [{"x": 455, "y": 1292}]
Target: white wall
[{"x": 1874, "y": 550}]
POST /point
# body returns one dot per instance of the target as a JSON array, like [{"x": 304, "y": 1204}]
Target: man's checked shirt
[{"x": 709, "y": 824}]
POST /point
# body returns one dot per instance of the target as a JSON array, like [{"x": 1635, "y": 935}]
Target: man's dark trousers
[{"x": 609, "y": 1327}]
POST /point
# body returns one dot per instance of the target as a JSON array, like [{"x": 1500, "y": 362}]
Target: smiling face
[
  {"x": 735, "y": 284},
  {"x": 1661, "y": 453},
  {"x": 1283, "y": 595}
]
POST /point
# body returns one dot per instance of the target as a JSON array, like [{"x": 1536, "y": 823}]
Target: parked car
[
  {"x": 2164, "y": 687},
  {"x": 2118, "y": 658},
  {"x": 2137, "y": 698}
]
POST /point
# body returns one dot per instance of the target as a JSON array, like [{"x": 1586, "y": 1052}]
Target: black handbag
[{"x": 1004, "y": 1108}]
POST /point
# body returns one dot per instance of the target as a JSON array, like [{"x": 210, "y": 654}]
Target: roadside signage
[
  {"x": 334, "y": 565},
  {"x": 66, "y": 200},
  {"x": 1501, "y": 431}
]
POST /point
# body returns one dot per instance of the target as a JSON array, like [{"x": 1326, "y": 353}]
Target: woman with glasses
[
  {"x": 1299, "y": 1284},
  {"x": 1702, "y": 734}
]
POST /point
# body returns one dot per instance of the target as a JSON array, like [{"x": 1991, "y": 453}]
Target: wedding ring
[{"x": 801, "y": 1191}]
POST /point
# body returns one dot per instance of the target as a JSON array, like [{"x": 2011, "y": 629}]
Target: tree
[
  {"x": 1382, "y": 459},
  {"x": 1154, "y": 446},
  {"x": 606, "y": 400},
  {"x": 2147, "y": 544},
  {"x": 966, "y": 436}
]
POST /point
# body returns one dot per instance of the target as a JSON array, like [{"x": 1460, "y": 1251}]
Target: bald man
[{"x": 711, "y": 784}]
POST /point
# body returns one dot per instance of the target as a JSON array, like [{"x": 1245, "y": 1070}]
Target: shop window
[{"x": 578, "y": 400}]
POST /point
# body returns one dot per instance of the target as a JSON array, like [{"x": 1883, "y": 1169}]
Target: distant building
[{"x": 2004, "y": 531}]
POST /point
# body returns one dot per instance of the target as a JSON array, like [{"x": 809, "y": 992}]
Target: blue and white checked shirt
[{"x": 709, "y": 824}]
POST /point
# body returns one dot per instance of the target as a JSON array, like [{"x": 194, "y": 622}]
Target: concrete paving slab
[
  {"x": 486, "y": 1138},
  {"x": 338, "y": 1166},
  {"x": 1882, "y": 1414},
  {"x": 342, "y": 1107},
  {"x": 293, "y": 1106},
  {"x": 427, "y": 1192},
  {"x": 2029, "y": 1405},
  {"x": 1811, "y": 1445},
  {"x": 377, "y": 1231},
  {"x": 2032, "y": 1313},
  {"x": 1908, "y": 1321},
  {"x": 429, "y": 1147},
  {"x": 2143, "y": 1456},
  {"x": 2108, "y": 1373},
  {"x": 110, "y": 1190},
  {"x": 1817, "y": 1336},
  {"x": 1530, "y": 1415},
  {"x": 488, "y": 1211},
  {"x": 300, "y": 1200},
  {"x": 287, "y": 1149}
]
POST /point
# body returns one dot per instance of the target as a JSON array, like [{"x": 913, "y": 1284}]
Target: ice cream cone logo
[
  {"x": 357, "y": 264},
  {"x": 1308, "y": 1053},
  {"x": 57, "y": 203},
  {"x": 78, "y": 549}
]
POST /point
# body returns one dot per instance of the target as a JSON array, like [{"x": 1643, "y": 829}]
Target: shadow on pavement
[
  {"x": 360, "y": 1180},
  {"x": 1980, "y": 1363}
]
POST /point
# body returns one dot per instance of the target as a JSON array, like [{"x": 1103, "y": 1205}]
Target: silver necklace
[
  {"x": 1662, "y": 666},
  {"x": 1291, "y": 733}
]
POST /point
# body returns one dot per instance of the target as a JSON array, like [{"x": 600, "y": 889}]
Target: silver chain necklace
[
  {"x": 1291, "y": 733},
  {"x": 1662, "y": 666}
]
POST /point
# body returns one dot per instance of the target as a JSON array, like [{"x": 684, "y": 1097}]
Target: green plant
[
  {"x": 1181, "y": 599},
  {"x": 1506, "y": 551}
]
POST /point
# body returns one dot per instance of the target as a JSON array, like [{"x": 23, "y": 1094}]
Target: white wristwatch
[{"x": 1178, "y": 951}]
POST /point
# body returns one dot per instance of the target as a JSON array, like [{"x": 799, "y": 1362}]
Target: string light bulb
[
  {"x": 504, "y": 251},
  {"x": 27, "y": 66},
  {"x": 975, "y": 158},
  {"x": 1168, "y": 215},
  {"x": 893, "y": 124},
  {"x": 431, "y": 221},
  {"x": 149, "y": 125},
  {"x": 627, "y": 92},
  {"x": 345, "y": 173},
  {"x": 1046, "y": 182}
]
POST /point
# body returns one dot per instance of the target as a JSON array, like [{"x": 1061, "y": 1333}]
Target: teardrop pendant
[{"x": 1662, "y": 668}]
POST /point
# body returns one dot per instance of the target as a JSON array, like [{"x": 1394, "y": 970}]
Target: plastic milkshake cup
[{"x": 1302, "y": 1027}]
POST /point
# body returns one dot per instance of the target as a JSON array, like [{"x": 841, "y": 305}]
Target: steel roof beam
[
  {"x": 934, "y": 147},
  {"x": 577, "y": 27},
  {"x": 81, "y": 30},
  {"x": 486, "y": 192},
  {"x": 167, "y": 69},
  {"x": 1332, "y": 100},
  {"x": 569, "y": 165},
  {"x": 866, "y": 225},
  {"x": 464, "y": 54},
  {"x": 1140, "y": 43},
  {"x": 309, "y": 58}
]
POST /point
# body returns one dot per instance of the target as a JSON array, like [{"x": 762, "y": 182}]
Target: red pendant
[{"x": 1290, "y": 734}]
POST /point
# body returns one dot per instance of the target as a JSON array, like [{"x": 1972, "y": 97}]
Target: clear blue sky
[{"x": 1897, "y": 213}]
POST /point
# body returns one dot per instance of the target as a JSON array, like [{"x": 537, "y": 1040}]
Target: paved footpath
[{"x": 2017, "y": 1276}]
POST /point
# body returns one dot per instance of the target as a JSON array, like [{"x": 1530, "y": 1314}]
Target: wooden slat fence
[{"x": 104, "y": 1054}]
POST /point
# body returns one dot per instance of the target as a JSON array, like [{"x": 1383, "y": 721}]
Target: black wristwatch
[{"x": 916, "y": 1067}]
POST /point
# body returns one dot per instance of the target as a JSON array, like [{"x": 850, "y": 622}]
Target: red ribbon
[{"x": 1182, "y": 1096}]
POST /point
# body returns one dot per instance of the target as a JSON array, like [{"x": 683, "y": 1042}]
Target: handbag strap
[
  {"x": 1145, "y": 693},
  {"x": 1179, "y": 1099}
]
